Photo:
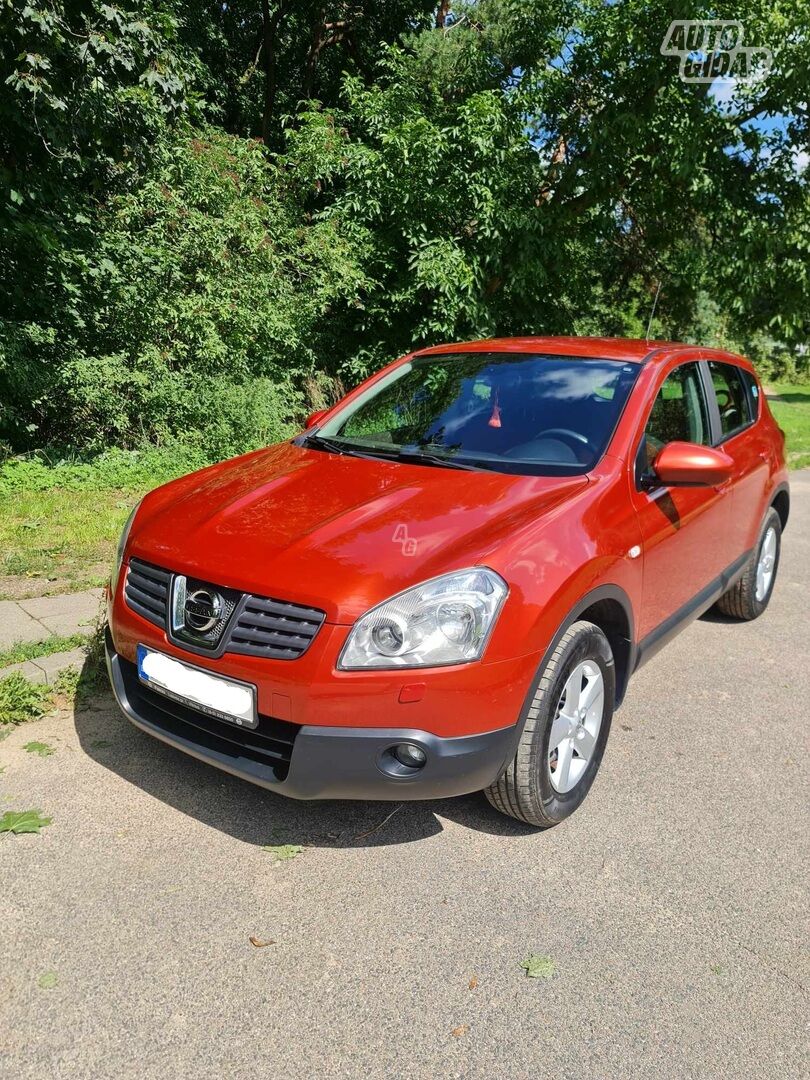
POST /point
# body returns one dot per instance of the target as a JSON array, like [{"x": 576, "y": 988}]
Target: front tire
[
  {"x": 750, "y": 595},
  {"x": 566, "y": 728}
]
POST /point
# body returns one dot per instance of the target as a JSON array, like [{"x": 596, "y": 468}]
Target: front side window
[
  {"x": 679, "y": 414},
  {"x": 512, "y": 412},
  {"x": 732, "y": 399}
]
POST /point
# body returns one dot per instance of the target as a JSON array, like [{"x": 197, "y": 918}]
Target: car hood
[{"x": 331, "y": 531}]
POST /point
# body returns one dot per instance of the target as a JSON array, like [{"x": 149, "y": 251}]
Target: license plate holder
[{"x": 214, "y": 695}]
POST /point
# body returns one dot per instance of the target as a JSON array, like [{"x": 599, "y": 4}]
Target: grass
[
  {"x": 63, "y": 536},
  {"x": 60, "y": 521},
  {"x": 75, "y": 687},
  {"x": 21, "y": 700},
  {"x": 792, "y": 414},
  {"x": 32, "y": 650}
]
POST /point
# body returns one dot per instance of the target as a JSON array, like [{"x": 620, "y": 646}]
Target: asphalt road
[{"x": 673, "y": 904}]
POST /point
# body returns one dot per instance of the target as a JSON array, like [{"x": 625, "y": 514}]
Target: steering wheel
[{"x": 567, "y": 433}]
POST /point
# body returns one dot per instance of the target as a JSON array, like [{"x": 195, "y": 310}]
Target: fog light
[{"x": 414, "y": 757}]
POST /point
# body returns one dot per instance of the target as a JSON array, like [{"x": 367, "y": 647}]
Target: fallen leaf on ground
[
  {"x": 283, "y": 851},
  {"x": 259, "y": 943},
  {"x": 538, "y": 967},
  {"x": 40, "y": 748},
  {"x": 23, "y": 821},
  {"x": 101, "y": 743},
  {"x": 462, "y": 1029},
  {"x": 48, "y": 980},
  {"x": 473, "y": 982}
]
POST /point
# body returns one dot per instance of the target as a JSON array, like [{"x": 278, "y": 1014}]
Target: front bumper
[{"x": 314, "y": 762}]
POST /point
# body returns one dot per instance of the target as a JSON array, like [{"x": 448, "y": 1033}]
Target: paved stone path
[{"x": 44, "y": 617}]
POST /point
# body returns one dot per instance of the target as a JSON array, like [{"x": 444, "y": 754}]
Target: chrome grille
[
  {"x": 147, "y": 591},
  {"x": 254, "y": 626},
  {"x": 265, "y": 627}
]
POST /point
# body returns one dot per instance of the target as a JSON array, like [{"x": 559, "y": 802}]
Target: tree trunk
[
  {"x": 271, "y": 24},
  {"x": 316, "y": 44}
]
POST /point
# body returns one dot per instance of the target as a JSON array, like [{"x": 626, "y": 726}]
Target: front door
[{"x": 683, "y": 529}]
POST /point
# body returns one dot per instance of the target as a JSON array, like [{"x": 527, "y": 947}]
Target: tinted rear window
[
  {"x": 732, "y": 397},
  {"x": 752, "y": 390}
]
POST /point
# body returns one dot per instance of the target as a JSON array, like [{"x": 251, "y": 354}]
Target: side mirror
[
  {"x": 315, "y": 418},
  {"x": 685, "y": 464}
]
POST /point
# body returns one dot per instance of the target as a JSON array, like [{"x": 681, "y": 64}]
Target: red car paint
[{"x": 317, "y": 529}]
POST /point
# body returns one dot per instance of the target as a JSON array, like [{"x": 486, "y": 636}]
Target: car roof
[{"x": 634, "y": 350}]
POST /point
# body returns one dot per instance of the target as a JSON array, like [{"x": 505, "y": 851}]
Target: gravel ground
[{"x": 673, "y": 904}]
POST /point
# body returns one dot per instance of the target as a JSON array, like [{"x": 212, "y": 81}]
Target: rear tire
[
  {"x": 750, "y": 595},
  {"x": 567, "y": 722}
]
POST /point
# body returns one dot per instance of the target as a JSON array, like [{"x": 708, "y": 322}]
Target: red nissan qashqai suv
[{"x": 446, "y": 581}]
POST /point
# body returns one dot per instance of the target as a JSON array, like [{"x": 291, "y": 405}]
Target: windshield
[{"x": 512, "y": 412}]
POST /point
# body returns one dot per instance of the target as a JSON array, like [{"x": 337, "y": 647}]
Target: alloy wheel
[
  {"x": 766, "y": 564},
  {"x": 575, "y": 730}
]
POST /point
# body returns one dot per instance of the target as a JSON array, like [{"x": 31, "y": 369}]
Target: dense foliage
[{"x": 211, "y": 216}]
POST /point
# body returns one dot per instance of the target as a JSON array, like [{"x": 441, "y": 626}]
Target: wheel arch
[
  {"x": 609, "y": 608},
  {"x": 780, "y": 501}
]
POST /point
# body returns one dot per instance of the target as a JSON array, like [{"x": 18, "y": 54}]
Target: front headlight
[
  {"x": 444, "y": 621},
  {"x": 122, "y": 543}
]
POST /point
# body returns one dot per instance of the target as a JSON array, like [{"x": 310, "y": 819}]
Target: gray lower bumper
[{"x": 326, "y": 762}]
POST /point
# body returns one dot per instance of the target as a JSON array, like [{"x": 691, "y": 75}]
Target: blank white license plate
[{"x": 214, "y": 695}]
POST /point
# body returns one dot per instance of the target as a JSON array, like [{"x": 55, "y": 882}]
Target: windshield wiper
[
  {"x": 334, "y": 447},
  {"x": 416, "y": 456},
  {"x": 325, "y": 444},
  {"x": 380, "y": 453}
]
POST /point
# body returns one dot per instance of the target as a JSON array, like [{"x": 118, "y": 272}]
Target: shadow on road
[
  {"x": 713, "y": 615},
  {"x": 253, "y": 814}
]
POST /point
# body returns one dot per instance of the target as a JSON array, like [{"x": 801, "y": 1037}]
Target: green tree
[
  {"x": 260, "y": 59},
  {"x": 208, "y": 212},
  {"x": 86, "y": 91}
]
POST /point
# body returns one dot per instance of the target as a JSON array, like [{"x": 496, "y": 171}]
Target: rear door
[
  {"x": 683, "y": 529},
  {"x": 737, "y": 398}
]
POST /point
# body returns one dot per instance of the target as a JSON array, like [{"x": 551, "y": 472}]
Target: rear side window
[
  {"x": 752, "y": 391},
  {"x": 679, "y": 413},
  {"x": 732, "y": 397}
]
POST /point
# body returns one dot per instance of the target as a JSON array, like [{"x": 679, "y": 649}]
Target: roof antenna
[{"x": 652, "y": 313}]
